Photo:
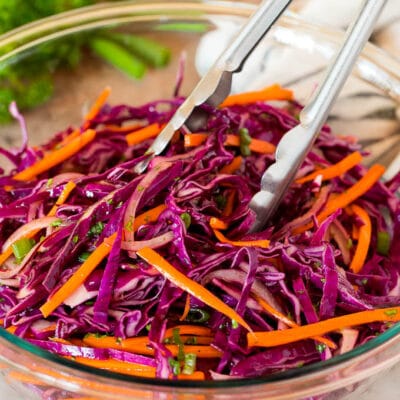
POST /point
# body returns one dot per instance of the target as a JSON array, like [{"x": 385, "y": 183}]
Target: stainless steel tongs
[{"x": 215, "y": 86}]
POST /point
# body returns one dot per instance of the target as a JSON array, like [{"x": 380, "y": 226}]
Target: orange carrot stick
[
  {"x": 335, "y": 170},
  {"x": 230, "y": 200},
  {"x": 69, "y": 187},
  {"x": 186, "y": 308},
  {"x": 278, "y": 315},
  {"x": 95, "y": 109},
  {"x": 148, "y": 216},
  {"x": 189, "y": 330},
  {"x": 122, "y": 367},
  {"x": 344, "y": 199},
  {"x": 5, "y": 255},
  {"x": 78, "y": 277},
  {"x": 249, "y": 243},
  {"x": 364, "y": 239},
  {"x": 217, "y": 223},
  {"x": 233, "y": 166},
  {"x": 256, "y": 145},
  {"x": 141, "y": 345},
  {"x": 190, "y": 286},
  {"x": 143, "y": 134},
  {"x": 273, "y": 92},
  {"x": 277, "y": 338},
  {"x": 56, "y": 157}
]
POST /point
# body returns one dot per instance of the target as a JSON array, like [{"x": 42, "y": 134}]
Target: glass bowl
[{"x": 293, "y": 54}]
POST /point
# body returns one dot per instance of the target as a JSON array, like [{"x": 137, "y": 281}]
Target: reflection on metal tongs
[{"x": 215, "y": 86}]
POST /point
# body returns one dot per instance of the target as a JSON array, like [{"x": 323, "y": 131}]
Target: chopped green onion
[
  {"x": 320, "y": 347},
  {"x": 151, "y": 52},
  {"x": 235, "y": 324},
  {"x": 187, "y": 219},
  {"x": 56, "y": 223},
  {"x": 383, "y": 243},
  {"x": 96, "y": 229},
  {"x": 197, "y": 315},
  {"x": 22, "y": 247},
  {"x": 75, "y": 239},
  {"x": 190, "y": 364},
  {"x": 175, "y": 365},
  {"x": 245, "y": 140},
  {"x": 349, "y": 244},
  {"x": 391, "y": 313},
  {"x": 178, "y": 341},
  {"x": 119, "y": 57},
  {"x": 84, "y": 256}
]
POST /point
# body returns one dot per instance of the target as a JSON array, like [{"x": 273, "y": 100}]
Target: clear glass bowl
[{"x": 294, "y": 54}]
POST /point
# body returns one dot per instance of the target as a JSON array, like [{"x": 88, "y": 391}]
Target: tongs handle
[
  {"x": 235, "y": 55},
  {"x": 295, "y": 144},
  {"x": 317, "y": 110}
]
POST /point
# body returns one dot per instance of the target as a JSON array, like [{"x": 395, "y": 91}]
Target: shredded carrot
[
  {"x": 69, "y": 187},
  {"x": 189, "y": 330},
  {"x": 56, "y": 157},
  {"x": 344, "y": 199},
  {"x": 273, "y": 92},
  {"x": 5, "y": 255},
  {"x": 196, "y": 376},
  {"x": 277, "y": 338},
  {"x": 11, "y": 329},
  {"x": 264, "y": 243},
  {"x": 124, "y": 129},
  {"x": 217, "y": 223},
  {"x": 230, "y": 201},
  {"x": 143, "y": 134},
  {"x": 335, "y": 170},
  {"x": 233, "y": 166},
  {"x": 256, "y": 145},
  {"x": 148, "y": 216},
  {"x": 98, "y": 104},
  {"x": 278, "y": 315},
  {"x": 364, "y": 239},
  {"x": 74, "y": 134},
  {"x": 190, "y": 286},
  {"x": 77, "y": 278},
  {"x": 121, "y": 367},
  {"x": 141, "y": 345},
  {"x": 186, "y": 308}
]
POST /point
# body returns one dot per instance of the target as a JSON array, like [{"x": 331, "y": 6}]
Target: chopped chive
[
  {"x": 245, "y": 141},
  {"x": 235, "y": 324},
  {"x": 189, "y": 364},
  {"x": 178, "y": 341},
  {"x": 96, "y": 229},
  {"x": 187, "y": 219},
  {"x": 151, "y": 52},
  {"x": 56, "y": 223},
  {"x": 383, "y": 243},
  {"x": 391, "y": 313},
  {"x": 175, "y": 365},
  {"x": 197, "y": 315},
  {"x": 320, "y": 347},
  {"x": 75, "y": 239},
  {"x": 84, "y": 256},
  {"x": 118, "y": 57},
  {"x": 22, "y": 247}
]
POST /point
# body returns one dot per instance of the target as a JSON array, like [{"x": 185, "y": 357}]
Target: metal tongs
[{"x": 215, "y": 86}]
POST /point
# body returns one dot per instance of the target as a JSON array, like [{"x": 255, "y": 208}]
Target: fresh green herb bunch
[{"x": 30, "y": 82}]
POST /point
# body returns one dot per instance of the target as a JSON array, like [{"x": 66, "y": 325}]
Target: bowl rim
[{"x": 109, "y": 13}]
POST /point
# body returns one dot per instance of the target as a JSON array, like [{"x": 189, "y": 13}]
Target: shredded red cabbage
[{"x": 305, "y": 276}]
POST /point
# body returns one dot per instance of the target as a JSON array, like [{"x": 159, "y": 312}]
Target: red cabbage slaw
[{"x": 156, "y": 275}]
